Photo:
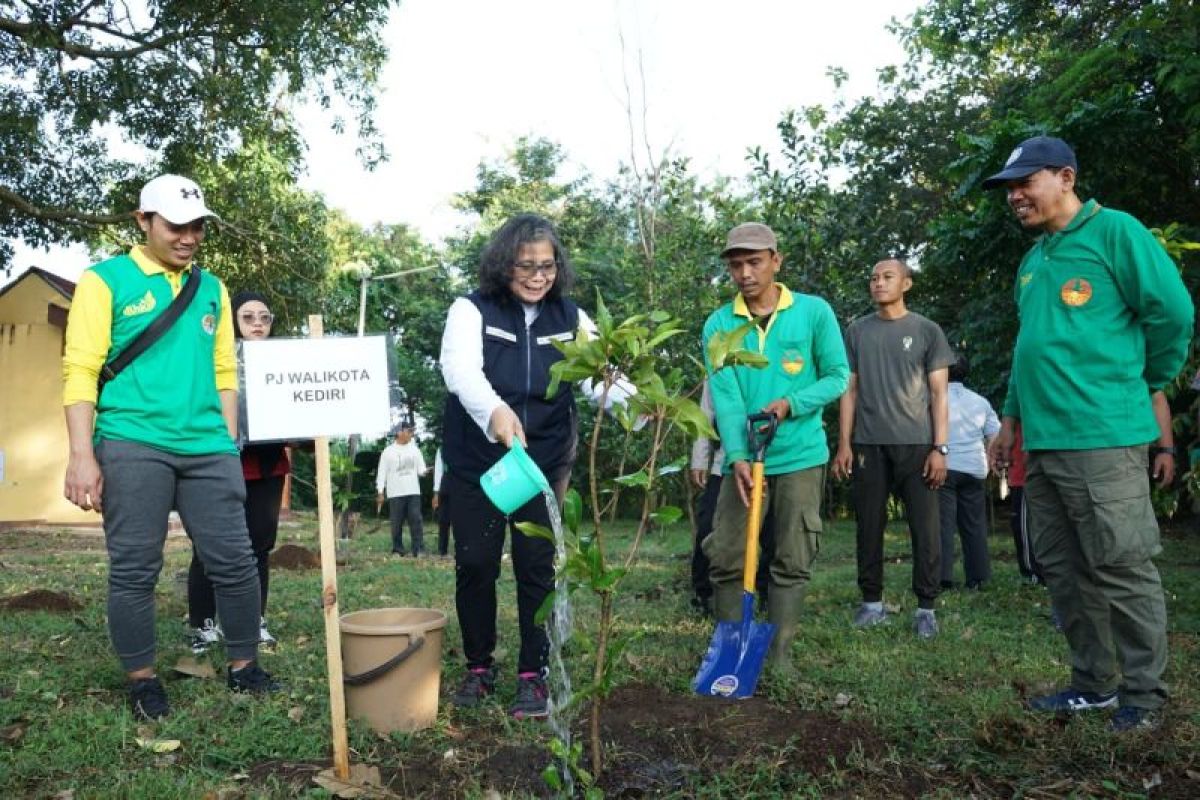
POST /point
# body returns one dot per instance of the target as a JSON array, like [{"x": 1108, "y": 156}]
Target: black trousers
[
  {"x": 402, "y": 509},
  {"x": 879, "y": 472},
  {"x": 1018, "y": 516},
  {"x": 443, "y": 520},
  {"x": 479, "y": 531},
  {"x": 263, "y": 500},
  {"x": 705, "y": 511},
  {"x": 962, "y": 500}
]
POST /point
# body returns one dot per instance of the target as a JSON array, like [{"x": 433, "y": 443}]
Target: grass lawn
[{"x": 937, "y": 719}]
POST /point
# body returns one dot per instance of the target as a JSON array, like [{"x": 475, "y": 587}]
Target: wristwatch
[
  {"x": 941, "y": 448},
  {"x": 1158, "y": 451}
]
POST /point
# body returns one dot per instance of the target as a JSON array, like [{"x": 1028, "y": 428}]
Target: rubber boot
[
  {"x": 783, "y": 611},
  {"x": 727, "y": 602}
]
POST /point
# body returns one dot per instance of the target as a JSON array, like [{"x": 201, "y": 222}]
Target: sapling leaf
[
  {"x": 638, "y": 479},
  {"x": 661, "y": 336},
  {"x": 572, "y": 510},
  {"x": 746, "y": 358},
  {"x": 659, "y": 316},
  {"x": 671, "y": 467},
  {"x": 604, "y": 321},
  {"x": 695, "y": 423},
  {"x": 610, "y": 578},
  {"x": 667, "y": 515},
  {"x": 578, "y": 567},
  {"x": 545, "y": 609},
  {"x": 533, "y": 529}
]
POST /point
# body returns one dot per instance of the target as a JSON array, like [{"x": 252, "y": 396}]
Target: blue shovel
[{"x": 735, "y": 656}]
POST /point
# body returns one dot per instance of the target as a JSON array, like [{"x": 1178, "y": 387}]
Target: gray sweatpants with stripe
[{"x": 141, "y": 486}]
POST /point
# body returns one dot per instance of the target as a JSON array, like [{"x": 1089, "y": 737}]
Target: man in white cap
[{"x": 158, "y": 434}]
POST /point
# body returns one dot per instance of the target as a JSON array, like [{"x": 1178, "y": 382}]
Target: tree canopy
[{"x": 98, "y": 96}]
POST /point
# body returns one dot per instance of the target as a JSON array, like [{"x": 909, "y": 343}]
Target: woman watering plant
[{"x": 497, "y": 350}]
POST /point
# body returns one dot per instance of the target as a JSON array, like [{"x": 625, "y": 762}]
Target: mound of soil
[
  {"x": 292, "y": 556},
  {"x": 41, "y": 600},
  {"x": 655, "y": 742}
]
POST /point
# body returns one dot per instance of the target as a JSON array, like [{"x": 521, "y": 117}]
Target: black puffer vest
[{"x": 516, "y": 361}]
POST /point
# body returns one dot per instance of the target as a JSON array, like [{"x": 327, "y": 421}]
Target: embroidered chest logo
[
  {"x": 907, "y": 343},
  {"x": 1025, "y": 279},
  {"x": 1076, "y": 292},
  {"x": 209, "y": 323},
  {"x": 140, "y": 307},
  {"x": 792, "y": 362}
]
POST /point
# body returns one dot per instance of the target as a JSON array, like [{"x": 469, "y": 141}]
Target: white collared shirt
[{"x": 972, "y": 423}]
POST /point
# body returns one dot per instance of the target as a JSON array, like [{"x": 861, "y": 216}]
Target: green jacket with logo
[
  {"x": 807, "y": 366},
  {"x": 1105, "y": 321},
  {"x": 167, "y": 397}
]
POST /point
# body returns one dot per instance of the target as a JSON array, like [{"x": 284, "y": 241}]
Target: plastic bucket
[
  {"x": 514, "y": 480},
  {"x": 392, "y": 666}
]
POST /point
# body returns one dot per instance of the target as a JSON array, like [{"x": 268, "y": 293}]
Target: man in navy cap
[{"x": 1105, "y": 322}]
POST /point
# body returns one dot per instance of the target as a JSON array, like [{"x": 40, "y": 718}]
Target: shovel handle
[
  {"x": 753, "y": 520},
  {"x": 760, "y": 431}
]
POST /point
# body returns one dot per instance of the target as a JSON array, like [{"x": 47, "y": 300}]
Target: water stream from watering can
[{"x": 559, "y": 632}]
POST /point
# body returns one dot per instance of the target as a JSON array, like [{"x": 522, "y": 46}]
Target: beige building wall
[{"x": 33, "y": 435}]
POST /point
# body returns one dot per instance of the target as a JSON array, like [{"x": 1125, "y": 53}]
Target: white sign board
[{"x": 303, "y": 388}]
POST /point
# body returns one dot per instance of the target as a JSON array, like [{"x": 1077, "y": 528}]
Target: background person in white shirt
[
  {"x": 962, "y": 498},
  {"x": 441, "y": 505},
  {"x": 398, "y": 480}
]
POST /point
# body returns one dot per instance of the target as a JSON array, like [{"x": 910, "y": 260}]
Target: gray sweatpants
[{"x": 141, "y": 486}]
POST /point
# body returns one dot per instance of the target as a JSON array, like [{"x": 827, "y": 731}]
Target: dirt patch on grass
[
  {"x": 655, "y": 743},
  {"x": 41, "y": 600},
  {"x": 292, "y": 556}
]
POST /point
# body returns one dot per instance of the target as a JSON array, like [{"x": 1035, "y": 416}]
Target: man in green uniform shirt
[
  {"x": 1105, "y": 321},
  {"x": 806, "y": 369}
]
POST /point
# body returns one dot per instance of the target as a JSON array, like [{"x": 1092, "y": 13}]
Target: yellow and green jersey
[{"x": 167, "y": 397}]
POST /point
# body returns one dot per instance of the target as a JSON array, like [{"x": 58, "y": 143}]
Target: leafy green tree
[
  {"x": 180, "y": 85},
  {"x": 1119, "y": 81},
  {"x": 412, "y": 308}
]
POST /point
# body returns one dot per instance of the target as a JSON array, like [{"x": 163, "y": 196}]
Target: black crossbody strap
[{"x": 152, "y": 332}]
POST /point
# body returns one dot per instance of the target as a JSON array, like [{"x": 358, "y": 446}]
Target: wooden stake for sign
[{"x": 329, "y": 594}]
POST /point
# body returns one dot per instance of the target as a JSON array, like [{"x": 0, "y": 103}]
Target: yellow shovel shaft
[{"x": 753, "y": 520}]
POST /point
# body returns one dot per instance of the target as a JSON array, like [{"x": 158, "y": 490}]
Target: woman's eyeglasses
[
  {"x": 527, "y": 269},
  {"x": 266, "y": 318}
]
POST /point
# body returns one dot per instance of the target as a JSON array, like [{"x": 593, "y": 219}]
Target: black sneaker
[
  {"x": 533, "y": 698},
  {"x": 478, "y": 683},
  {"x": 252, "y": 679},
  {"x": 148, "y": 699},
  {"x": 1072, "y": 700},
  {"x": 1132, "y": 718}
]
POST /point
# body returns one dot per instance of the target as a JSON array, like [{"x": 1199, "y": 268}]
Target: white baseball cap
[{"x": 178, "y": 199}]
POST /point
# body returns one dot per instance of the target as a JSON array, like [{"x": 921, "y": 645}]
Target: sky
[{"x": 467, "y": 78}]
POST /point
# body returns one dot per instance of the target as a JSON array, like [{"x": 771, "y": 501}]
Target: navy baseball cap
[{"x": 1030, "y": 156}]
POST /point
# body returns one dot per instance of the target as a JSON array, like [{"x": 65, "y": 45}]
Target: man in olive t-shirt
[{"x": 893, "y": 438}]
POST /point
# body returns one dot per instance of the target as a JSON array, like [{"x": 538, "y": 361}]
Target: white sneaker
[
  {"x": 264, "y": 635},
  {"x": 204, "y": 637}
]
